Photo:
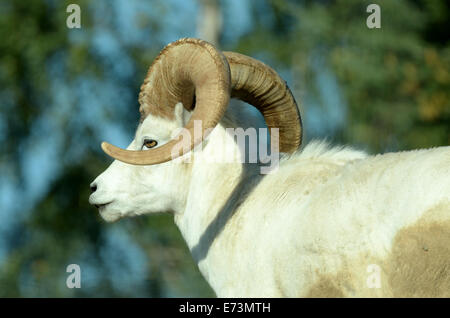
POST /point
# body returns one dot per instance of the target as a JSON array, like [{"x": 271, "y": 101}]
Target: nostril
[{"x": 93, "y": 187}]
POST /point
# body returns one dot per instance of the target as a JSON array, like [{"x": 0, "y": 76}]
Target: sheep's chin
[{"x": 108, "y": 215}]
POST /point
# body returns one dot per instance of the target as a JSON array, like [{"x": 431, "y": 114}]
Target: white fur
[{"x": 277, "y": 234}]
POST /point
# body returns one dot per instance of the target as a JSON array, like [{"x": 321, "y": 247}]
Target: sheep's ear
[{"x": 182, "y": 116}]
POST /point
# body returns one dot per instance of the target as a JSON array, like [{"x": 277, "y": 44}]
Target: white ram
[{"x": 328, "y": 222}]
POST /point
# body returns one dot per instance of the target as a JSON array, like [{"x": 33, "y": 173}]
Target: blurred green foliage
[{"x": 394, "y": 81}]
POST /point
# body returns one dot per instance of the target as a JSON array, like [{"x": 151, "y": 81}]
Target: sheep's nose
[{"x": 93, "y": 187}]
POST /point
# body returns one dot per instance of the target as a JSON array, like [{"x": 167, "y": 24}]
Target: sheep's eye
[{"x": 150, "y": 143}]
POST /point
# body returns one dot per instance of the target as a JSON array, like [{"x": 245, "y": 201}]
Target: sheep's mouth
[{"x": 101, "y": 205}]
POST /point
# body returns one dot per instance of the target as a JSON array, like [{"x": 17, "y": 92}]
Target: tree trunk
[{"x": 209, "y": 23}]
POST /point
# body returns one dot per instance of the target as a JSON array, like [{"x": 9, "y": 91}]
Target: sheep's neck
[{"x": 214, "y": 190}]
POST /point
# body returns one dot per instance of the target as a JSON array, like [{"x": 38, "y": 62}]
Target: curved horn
[
  {"x": 259, "y": 85},
  {"x": 182, "y": 69},
  {"x": 192, "y": 67}
]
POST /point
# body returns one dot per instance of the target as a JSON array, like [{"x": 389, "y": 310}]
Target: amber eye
[{"x": 150, "y": 143}]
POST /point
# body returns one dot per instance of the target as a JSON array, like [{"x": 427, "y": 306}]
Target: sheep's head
[{"x": 189, "y": 81}]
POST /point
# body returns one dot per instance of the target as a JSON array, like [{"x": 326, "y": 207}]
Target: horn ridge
[{"x": 259, "y": 85}]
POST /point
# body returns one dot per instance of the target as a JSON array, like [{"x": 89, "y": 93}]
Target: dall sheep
[{"x": 329, "y": 222}]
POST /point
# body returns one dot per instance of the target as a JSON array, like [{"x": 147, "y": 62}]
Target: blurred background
[{"x": 63, "y": 91}]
